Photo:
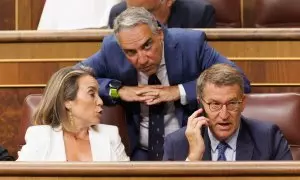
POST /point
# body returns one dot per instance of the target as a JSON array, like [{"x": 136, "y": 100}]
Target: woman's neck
[{"x": 82, "y": 133}]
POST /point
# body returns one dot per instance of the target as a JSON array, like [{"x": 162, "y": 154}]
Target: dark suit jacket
[
  {"x": 187, "y": 54},
  {"x": 4, "y": 155},
  {"x": 184, "y": 14},
  {"x": 257, "y": 140}
]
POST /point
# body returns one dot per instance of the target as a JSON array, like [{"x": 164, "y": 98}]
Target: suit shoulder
[
  {"x": 118, "y": 8},
  {"x": 108, "y": 129},
  {"x": 39, "y": 129},
  {"x": 177, "y": 136},
  {"x": 183, "y": 33},
  {"x": 186, "y": 37},
  {"x": 195, "y": 6},
  {"x": 260, "y": 128},
  {"x": 115, "y": 11}
]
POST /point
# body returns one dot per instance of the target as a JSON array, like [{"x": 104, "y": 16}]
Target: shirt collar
[{"x": 231, "y": 141}]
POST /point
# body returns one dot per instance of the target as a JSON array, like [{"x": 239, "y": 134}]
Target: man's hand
[
  {"x": 193, "y": 135},
  {"x": 131, "y": 94},
  {"x": 157, "y": 94}
]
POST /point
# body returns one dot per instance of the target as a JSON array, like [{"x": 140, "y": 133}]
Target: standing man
[
  {"x": 172, "y": 13},
  {"x": 152, "y": 72},
  {"x": 221, "y": 133}
]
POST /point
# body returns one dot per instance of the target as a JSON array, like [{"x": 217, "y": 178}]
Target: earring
[{"x": 71, "y": 119}]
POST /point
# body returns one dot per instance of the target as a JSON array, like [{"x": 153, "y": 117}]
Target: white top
[
  {"x": 43, "y": 143},
  {"x": 75, "y": 14}
]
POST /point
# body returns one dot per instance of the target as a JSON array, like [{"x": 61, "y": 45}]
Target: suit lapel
[
  {"x": 173, "y": 60},
  {"x": 245, "y": 146},
  {"x": 100, "y": 145},
  {"x": 207, "y": 152},
  {"x": 58, "y": 145}
]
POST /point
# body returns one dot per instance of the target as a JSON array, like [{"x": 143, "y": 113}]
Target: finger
[
  {"x": 153, "y": 101},
  {"x": 195, "y": 121},
  {"x": 151, "y": 93},
  {"x": 156, "y": 86},
  {"x": 201, "y": 123},
  {"x": 146, "y": 99},
  {"x": 194, "y": 115}
]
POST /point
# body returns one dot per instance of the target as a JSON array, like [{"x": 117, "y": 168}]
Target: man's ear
[{"x": 244, "y": 99}]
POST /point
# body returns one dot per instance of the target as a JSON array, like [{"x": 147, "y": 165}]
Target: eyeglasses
[{"x": 230, "y": 106}]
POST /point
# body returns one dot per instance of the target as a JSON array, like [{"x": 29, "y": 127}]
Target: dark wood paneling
[
  {"x": 10, "y": 115},
  {"x": 29, "y": 13},
  {"x": 7, "y": 14},
  {"x": 271, "y": 71},
  {"x": 29, "y": 73}
]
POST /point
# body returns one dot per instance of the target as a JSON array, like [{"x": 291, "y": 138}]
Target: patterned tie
[
  {"x": 156, "y": 126},
  {"x": 221, "y": 151}
]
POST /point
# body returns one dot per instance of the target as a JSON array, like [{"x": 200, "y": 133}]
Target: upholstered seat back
[{"x": 282, "y": 109}]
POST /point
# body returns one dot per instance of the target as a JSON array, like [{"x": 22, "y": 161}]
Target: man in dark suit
[
  {"x": 221, "y": 133},
  {"x": 4, "y": 155},
  {"x": 138, "y": 51},
  {"x": 173, "y": 13}
]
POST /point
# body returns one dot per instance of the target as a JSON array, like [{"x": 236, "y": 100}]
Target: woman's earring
[{"x": 71, "y": 119}]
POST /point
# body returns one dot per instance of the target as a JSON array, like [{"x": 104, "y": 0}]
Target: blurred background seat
[
  {"x": 282, "y": 109},
  {"x": 277, "y": 13}
]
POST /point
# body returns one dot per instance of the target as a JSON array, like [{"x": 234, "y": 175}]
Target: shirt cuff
[
  {"x": 183, "y": 99},
  {"x": 187, "y": 159}
]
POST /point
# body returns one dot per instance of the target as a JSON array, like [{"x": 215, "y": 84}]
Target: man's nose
[
  {"x": 224, "y": 112},
  {"x": 99, "y": 101},
  {"x": 142, "y": 59}
]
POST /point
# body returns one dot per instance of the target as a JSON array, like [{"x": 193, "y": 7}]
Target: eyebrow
[
  {"x": 143, "y": 45},
  {"x": 92, "y": 88}
]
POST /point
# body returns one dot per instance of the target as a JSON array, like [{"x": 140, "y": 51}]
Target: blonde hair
[{"x": 62, "y": 87}]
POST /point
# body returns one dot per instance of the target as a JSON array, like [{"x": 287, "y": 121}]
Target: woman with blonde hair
[{"x": 66, "y": 122}]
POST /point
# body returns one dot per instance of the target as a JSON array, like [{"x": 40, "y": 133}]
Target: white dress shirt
[{"x": 170, "y": 120}]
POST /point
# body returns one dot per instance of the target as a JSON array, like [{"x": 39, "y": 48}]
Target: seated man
[
  {"x": 221, "y": 133},
  {"x": 172, "y": 13},
  {"x": 4, "y": 155}
]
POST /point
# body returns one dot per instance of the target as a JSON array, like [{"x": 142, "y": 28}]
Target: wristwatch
[{"x": 114, "y": 86}]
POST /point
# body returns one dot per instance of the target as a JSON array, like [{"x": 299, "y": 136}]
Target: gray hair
[
  {"x": 134, "y": 16},
  {"x": 220, "y": 75}
]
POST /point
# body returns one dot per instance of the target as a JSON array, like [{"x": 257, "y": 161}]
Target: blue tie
[
  {"x": 221, "y": 151},
  {"x": 156, "y": 126}
]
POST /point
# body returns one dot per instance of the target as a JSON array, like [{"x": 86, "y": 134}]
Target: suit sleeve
[
  {"x": 4, "y": 156},
  {"x": 117, "y": 146},
  {"x": 98, "y": 62},
  {"x": 206, "y": 58},
  {"x": 281, "y": 150},
  {"x": 34, "y": 149}
]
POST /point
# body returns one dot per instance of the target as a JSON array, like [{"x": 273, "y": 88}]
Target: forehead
[
  {"x": 87, "y": 81},
  {"x": 133, "y": 38},
  {"x": 221, "y": 93}
]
